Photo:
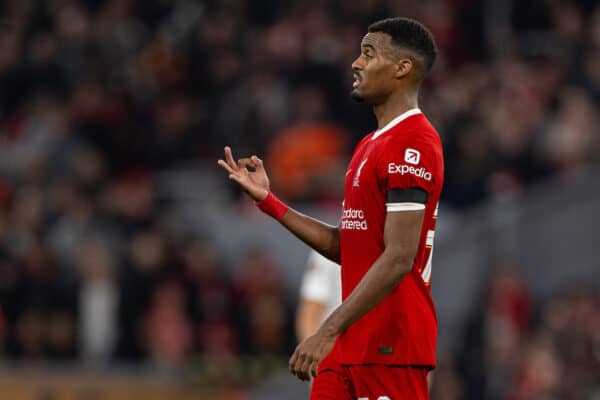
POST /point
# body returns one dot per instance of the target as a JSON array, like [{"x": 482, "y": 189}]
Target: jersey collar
[{"x": 396, "y": 121}]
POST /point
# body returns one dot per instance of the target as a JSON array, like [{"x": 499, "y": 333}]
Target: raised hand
[{"x": 253, "y": 181}]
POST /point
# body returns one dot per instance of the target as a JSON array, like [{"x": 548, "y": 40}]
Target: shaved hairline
[{"x": 396, "y": 51}]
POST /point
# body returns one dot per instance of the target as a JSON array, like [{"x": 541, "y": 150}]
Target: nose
[{"x": 357, "y": 65}]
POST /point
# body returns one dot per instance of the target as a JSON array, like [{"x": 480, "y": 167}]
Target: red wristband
[{"x": 272, "y": 206}]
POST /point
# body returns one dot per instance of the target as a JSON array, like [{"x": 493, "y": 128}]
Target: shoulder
[
  {"x": 415, "y": 139},
  {"x": 411, "y": 156},
  {"x": 416, "y": 128},
  {"x": 412, "y": 147}
]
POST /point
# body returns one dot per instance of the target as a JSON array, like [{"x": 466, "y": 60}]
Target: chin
[{"x": 357, "y": 97}]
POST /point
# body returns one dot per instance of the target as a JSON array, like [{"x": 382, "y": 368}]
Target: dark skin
[{"x": 387, "y": 77}]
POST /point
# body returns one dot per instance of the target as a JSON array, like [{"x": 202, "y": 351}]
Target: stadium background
[{"x": 130, "y": 266}]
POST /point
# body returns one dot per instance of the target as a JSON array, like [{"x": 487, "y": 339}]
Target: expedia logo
[
  {"x": 412, "y": 156},
  {"x": 404, "y": 169}
]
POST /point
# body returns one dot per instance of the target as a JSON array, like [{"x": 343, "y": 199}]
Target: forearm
[
  {"x": 322, "y": 237},
  {"x": 381, "y": 279}
]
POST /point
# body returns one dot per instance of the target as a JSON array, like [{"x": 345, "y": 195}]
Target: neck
[{"x": 397, "y": 103}]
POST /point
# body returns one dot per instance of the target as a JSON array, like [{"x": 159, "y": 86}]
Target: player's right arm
[{"x": 250, "y": 174}]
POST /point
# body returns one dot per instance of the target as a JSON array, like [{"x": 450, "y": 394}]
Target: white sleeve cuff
[{"x": 404, "y": 206}]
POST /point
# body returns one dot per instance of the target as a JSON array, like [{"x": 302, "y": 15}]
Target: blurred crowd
[
  {"x": 153, "y": 84},
  {"x": 517, "y": 349},
  {"x": 104, "y": 278},
  {"x": 98, "y": 96}
]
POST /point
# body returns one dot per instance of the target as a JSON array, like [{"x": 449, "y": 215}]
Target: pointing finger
[{"x": 229, "y": 158}]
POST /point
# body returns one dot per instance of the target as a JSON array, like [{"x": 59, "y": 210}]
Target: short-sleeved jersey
[{"x": 403, "y": 157}]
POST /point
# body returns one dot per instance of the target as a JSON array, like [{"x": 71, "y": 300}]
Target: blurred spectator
[
  {"x": 446, "y": 382},
  {"x": 167, "y": 329},
  {"x": 306, "y": 157},
  {"x": 509, "y": 354},
  {"x": 61, "y": 331},
  {"x": 98, "y": 301},
  {"x": 213, "y": 305},
  {"x": 145, "y": 264},
  {"x": 540, "y": 373},
  {"x": 496, "y": 335},
  {"x": 570, "y": 143},
  {"x": 264, "y": 307}
]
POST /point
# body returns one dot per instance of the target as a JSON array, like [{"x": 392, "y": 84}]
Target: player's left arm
[{"x": 401, "y": 237}]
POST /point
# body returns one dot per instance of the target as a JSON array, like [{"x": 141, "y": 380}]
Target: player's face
[{"x": 374, "y": 70}]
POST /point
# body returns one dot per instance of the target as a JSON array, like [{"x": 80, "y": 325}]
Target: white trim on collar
[{"x": 396, "y": 121}]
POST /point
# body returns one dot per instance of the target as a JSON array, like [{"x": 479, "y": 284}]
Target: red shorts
[{"x": 369, "y": 382}]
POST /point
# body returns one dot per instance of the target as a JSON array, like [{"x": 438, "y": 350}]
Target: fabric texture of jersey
[
  {"x": 321, "y": 283},
  {"x": 402, "y": 328}
]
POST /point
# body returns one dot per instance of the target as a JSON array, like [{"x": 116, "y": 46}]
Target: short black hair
[{"x": 411, "y": 34}]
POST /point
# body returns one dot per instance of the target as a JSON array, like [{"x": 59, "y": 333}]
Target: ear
[{"x": 403, "y": 67}]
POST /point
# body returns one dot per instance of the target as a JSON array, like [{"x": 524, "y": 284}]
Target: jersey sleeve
[{"x": 406, "y": 171}]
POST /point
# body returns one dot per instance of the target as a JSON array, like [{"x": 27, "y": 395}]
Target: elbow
[{"x": 401, "y": 265}]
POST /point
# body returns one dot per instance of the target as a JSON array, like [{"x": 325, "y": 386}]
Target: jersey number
[{"x": 426, "y": 274}]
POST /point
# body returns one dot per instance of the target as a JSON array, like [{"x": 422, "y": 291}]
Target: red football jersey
[{"x": 402, "y": 328}]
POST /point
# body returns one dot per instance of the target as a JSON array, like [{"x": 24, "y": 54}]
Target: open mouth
[{"x": 357, "y": 81}]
